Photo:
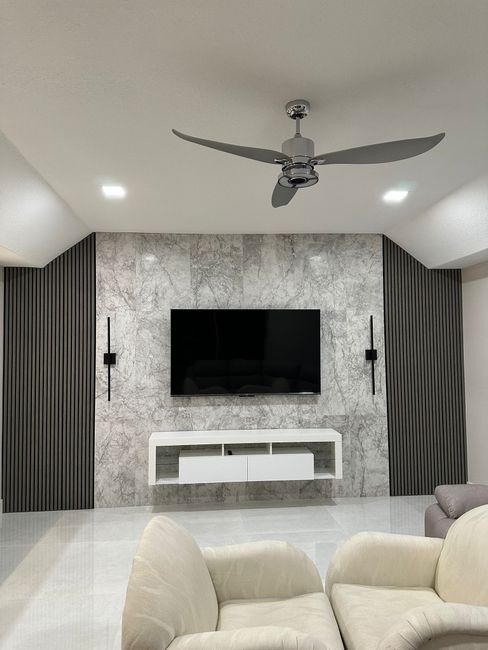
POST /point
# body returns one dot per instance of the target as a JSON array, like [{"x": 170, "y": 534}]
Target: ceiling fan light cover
[{"x": 298, "y": 175}]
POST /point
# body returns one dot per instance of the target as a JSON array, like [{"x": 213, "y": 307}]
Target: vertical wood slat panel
[
  {"x": 49, "y": 383},
  {"x": 425, "y": 374}
]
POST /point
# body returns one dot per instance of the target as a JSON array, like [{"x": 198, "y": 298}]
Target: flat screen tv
[{"x": 245, "y": 351}]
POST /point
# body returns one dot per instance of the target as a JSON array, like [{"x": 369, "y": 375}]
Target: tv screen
[{"x": 245, "y": 351}]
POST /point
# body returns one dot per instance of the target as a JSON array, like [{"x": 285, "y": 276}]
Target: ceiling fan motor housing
[
  {"x": 298, "y": 147},
  {"x": 298, "y": 173}
]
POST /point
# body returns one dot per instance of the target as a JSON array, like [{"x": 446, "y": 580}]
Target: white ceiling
[{"x": 91, "y": 90}]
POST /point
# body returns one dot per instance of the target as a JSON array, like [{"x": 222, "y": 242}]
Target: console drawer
[
  {"x": 209, "y": 467},
  {"x": 293, "y": 464}
]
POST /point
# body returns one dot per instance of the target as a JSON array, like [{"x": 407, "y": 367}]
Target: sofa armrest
[
  {"x": 249, "y": 638},
  {"x": 383, "y": 559},
  {"x": 455, "y": 500},
  {"x": 437, "y": 523},
  {"x": 261, "y": 570},
  {"x": 453, "y": 623}
]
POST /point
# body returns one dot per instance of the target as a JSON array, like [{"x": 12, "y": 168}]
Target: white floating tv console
[{"x": 181, "y": 457}]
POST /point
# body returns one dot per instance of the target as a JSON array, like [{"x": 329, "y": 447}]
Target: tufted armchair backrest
[{"x": 170, "y": 592}]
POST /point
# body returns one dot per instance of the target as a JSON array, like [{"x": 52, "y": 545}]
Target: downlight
[
  {"x": 114, "y": 191},
  {"x": 395, "y": 196}
]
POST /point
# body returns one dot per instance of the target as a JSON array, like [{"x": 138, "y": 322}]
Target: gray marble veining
[{"x": 140, "y": 277}]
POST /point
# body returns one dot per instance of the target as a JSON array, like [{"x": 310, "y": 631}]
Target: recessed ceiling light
[
  {"x": 114, "y": 191},
  {"x": 395, "y": 196}
]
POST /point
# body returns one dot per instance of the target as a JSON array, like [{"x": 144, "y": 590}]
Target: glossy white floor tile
[{"x": 64, "y": 574}]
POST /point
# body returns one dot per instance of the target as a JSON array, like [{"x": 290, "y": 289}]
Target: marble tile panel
[
  {"x": 142, "y": 276},
  {"x": 115, "y": 462},
  {"x": 361, "y": 262},
  {"x": 216, "y": 271},
  {"x": 163, "y": 275},
  {"x": 293, "y": 271},
  {"x": 117, "y": 285},
  {"x": 369, "y": 455}
]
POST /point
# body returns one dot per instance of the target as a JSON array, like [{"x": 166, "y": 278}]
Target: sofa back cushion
[
  {"x": 462, "y": 571},
  {"x": 170, "y": 592}
]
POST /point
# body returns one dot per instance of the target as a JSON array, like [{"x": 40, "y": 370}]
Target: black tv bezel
[{"x": 303, "y": 394}]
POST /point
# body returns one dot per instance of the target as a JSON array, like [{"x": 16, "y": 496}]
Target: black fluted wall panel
[
  {"x": 425, "y": 375},
  {"x": 49, "y": 383}
]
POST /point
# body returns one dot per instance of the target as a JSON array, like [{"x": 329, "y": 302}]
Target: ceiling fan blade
[
  {"x": 382, "y": 152},
  {"x": 263, "y": 155},
  {"x": 282, "y": 195}
]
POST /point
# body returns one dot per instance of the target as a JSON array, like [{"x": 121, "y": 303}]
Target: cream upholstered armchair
[
  {"x": 398, "y": 592},
  {"x": 258, "y": 596}
]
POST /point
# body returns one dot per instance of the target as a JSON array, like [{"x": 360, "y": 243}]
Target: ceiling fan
[{"x": 297, "y": 158}]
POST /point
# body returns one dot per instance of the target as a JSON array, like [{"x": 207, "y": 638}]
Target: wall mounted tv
[{"x": 245, "y": 351}]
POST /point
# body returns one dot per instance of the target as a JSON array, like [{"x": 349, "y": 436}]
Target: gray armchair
[{"x": 452, "y": 502}]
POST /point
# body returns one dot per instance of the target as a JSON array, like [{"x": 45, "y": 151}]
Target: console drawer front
[
  {"x": 195, "y": 467},
  {"x": 292, "y": 464}
]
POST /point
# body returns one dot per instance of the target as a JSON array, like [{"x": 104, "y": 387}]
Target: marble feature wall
[{"x": 140, "y": 277}]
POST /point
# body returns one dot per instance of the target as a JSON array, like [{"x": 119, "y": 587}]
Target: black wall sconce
[
  {"x": 372, "y": 353},
  {"x": 109, "y": 358}
]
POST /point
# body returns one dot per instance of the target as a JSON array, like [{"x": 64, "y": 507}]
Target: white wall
[
  {"x": 475, "y": 316},
  {"x": 453, "y": 233},
  {"x": 36, "y": 225}
]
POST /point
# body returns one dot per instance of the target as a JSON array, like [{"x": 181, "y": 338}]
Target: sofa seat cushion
[
  {"x": 365, "y": 614},
  {"x": 310, "y": 614}
]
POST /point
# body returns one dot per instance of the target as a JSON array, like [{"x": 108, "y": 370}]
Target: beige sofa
[
  {"x": 398, "y": 592},
  {"x": 388, "y": 592},
  {"x": 259, "y": 596}
]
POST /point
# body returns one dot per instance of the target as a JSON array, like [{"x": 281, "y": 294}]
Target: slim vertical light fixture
[
  {"x": 109, "y": 359},
  {"x": 372, "y": 354}
]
